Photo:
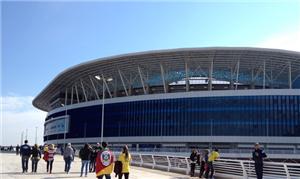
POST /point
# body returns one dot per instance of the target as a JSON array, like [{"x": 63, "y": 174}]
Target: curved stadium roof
[{"x": 136, "y": 70}]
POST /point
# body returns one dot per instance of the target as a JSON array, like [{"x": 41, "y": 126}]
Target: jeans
[
  {"x": 107, "y": 176},
  {"x": 34, "y": 163},
  {"x": 210, "y": 168},
  {"x": 25, "y": 163},
  {"x": 259, "y": 169},
  {"x": 68, "y": 161},
  {"x": 193, "y": 166},
  {"x": 84, "y": 163},
  {"x": 126, "y": 175},
  {"x": 49, "y": 164},
  {"x": 92, "y": 166},
  {"x": 202, "y": 164}
]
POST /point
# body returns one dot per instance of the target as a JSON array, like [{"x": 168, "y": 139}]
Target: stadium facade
[{"x": 222, "y": 96}]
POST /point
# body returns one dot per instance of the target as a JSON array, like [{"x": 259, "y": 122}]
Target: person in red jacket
[{"x": 104, "y": 162}]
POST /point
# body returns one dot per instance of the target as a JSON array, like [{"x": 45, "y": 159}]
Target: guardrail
[{"x": 224, "y": 168}]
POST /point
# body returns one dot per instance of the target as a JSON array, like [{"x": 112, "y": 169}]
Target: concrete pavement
[{"x": 11, "y": 169}]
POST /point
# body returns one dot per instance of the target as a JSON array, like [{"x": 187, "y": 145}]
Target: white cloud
[
  {"x": 18, "y": 114},
  {"x": 288, "y": 40}
]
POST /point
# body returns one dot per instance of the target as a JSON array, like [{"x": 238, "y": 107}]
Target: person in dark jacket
[
  {"x": 93, "y": 159},
  {"x": 85, "y": 155},
  {"x": 25, "y": 152},
  {"x": 35, "y": 157},
  {"x": 193, "y": 158},
  {"x": 258, "y": 156},
  {"x": 202, "y": 159},
  {"x": 17, "y": 149}
]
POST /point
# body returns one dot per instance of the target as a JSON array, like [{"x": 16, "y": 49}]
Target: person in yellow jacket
[
  {"x": 214, "y": 155},
  {"x": 125, "y": 158}
]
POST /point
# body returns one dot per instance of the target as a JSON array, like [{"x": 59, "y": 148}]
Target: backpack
[{"x": 118, "y": 168}]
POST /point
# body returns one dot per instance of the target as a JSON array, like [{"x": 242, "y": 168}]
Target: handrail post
[
  {"x": 169, "y": 163},
  {"x": 286, "y": 171},
  {"x": 187, "y": 165},
  {"x": 141, "y": 164},
  {"x": 245, "y": 175},
  {"x": 153, "y": 161}
]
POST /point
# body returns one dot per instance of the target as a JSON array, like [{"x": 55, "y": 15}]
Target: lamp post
[
  {"x": 103, "y": 98},
  {"x": 26, "y": 134},
  {"x": 36, "y": 128}
]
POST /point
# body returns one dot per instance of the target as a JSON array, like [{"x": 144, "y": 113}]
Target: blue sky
[{"x": 41, "y": 39}]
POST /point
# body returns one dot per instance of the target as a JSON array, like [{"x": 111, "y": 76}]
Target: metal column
[
  {"x": 264, "y": 77},
  {"x": 290, "y": 75},
  {"x": 210, "y": 75},
  {"x": 123, "y": 83},
  {"x": 187, "y": 81},
  {"x": 163, "y": 77},
  {"x": 77, "y": 93},
  {"x": 237, "y": 74},
  {"x": 142, "y": 81},
  {"x": 95, "y": 90},
  {"x": 104, "y": 80},
  {"x": 83, "y": 90}
]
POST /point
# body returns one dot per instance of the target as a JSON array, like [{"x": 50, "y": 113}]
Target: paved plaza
[{"x": 11, "y": 169}]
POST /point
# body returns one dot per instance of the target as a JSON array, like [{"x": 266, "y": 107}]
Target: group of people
[
  {"x": 205, "y": 160},
  {"x": 99, "y": 159}
]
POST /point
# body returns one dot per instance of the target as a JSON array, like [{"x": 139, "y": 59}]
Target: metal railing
[{"x": 224, "y": 168}]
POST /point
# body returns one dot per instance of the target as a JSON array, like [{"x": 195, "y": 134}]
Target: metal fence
[{"x": 224, "y": 168}]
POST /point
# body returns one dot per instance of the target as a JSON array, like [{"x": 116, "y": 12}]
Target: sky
[{"x": 41, "y": 39}]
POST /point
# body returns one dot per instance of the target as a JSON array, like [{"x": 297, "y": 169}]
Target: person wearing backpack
[
  {"x": 125, "y": 158},
  {"x": 85, "y": 155},
  {"x": 25, "y": 152}
]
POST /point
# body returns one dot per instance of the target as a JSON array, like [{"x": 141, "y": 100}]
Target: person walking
[
  {"x": 17, "y": 149},
  {"x": 68, "y": 157},
  {"x": 202, "y": 160},
  {"x": 258, "y": 156},
  {"x": 125, "y": 158},
  {"x": 35, "y": 157},
  {"x": 214, "y": 155},
  {"x": 85, "y": 155},
  {"x": 104, "y": 162},
  {"x": 51, "y": 152},
  {"x": 93, "y": 159},
  {"x": 193, "y": 158},
  {"x": 25, "y": 152}
]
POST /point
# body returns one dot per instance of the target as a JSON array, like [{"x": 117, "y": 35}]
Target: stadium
[{"x": 229, "y": 97}]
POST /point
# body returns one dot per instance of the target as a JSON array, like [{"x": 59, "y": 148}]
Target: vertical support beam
[
  {"x": 72, "y": 93},
  {"x": 115, "y": 87},
  {"x": 211, "y": 68},
  {"x": 290, "y": 75},
  {"x": 66, "y": 97},
  {"x": 130, "y": 85},
  {"x": 264, "y": 77},
  {"x": 85, "y": 97},
  {"x": 123, "y": 83},
  {"x": 187, "y": 81},
  {"x": 77, "y": 93},
  {"x": 237, "y": 74},
  {"x": 142, "y": 81},
  {"x": 104, "y": 80},
  {"x": 252, "y": 79},
  {"x": 163, "y": 77},
  {"x": 231, "y": 79},
  {"x": 95, "y": 90}
]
